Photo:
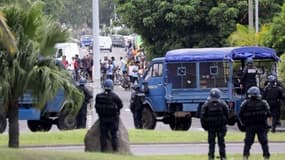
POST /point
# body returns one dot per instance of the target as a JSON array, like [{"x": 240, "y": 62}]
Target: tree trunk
[{"x": 13, "y": 120}]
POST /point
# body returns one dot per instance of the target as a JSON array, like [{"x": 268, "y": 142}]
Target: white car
[{"x": 105, "y": 43}]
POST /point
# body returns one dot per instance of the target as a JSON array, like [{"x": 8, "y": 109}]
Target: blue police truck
[
  {"x": 176, "y": 86},
  {"x": 56, "y": 111}
]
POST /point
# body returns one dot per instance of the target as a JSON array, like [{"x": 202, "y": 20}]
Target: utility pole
[
  {"x": 250, "y": 14},
  {"x": 256, "y": 16},
  {"x": 96, "y": 51}
]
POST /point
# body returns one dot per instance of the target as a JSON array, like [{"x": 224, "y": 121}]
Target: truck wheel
[
  {"x": 180, "y": 124},
  {"x": 39, "y": 125},
  {"x": 66, "y": 121},
  {"x": 148, "y": 119},
  {"x": 3, "y": 123}
]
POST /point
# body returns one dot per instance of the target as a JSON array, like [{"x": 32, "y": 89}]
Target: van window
[
  {"x": 182, "y": 75},
  {"x": 214, "y": 74}
]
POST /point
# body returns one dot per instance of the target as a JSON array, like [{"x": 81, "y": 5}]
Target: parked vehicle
[
  {"x": 86, "y": 41},
  {"x": 176, "y": 86},
  {"x": 105, "y": 43},
  {"x": 56, "y": 111},
  {"x": 66, "y": 49},
  {"x": 118, "y": 41}
]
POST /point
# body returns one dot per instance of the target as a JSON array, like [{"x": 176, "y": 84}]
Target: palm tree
[
  {"x": 246, "y": 36},
  {"x": 7, "y": 39},
  {"x": 27, "y": 71}
]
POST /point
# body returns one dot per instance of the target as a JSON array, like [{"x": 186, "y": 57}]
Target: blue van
[{"x": 176, "y": 86}]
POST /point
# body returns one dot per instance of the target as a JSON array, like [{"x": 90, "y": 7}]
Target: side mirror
[{"x": 145, "y": 87}]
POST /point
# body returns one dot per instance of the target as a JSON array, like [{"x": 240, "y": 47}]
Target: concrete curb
[{"x": 168, "y": 143}]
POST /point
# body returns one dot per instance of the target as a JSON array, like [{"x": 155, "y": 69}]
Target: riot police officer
[
  {"x": 253, "y": 114},
  {"x": 81, "y": 117},
  {"x": 273, "y": 94},
  {"x": 214, "y": 117},
  {"x": 108, "y": 105},
  {"x": 248, "y": 77},
  {"x": 136, "y": 106}
]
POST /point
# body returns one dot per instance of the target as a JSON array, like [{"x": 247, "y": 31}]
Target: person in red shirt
[{"x": 64, "y": 62}]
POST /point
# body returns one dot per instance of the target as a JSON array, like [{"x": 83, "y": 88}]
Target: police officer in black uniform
[
  {"x": 248, "y": 77},
  {"x": 254, "y": 113},
  {"x": 136, "y": 106},
  {"x": 273, "y": 94},
  {"x": 108, "y": 105},
  {"x": 81, "y": 117},
  {"x": 214, "y": 118}
]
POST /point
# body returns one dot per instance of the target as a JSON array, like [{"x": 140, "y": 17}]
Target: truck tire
[
  {"x": 3, "y": 123},
  {"x": 148, "y": 119},
  {"x": 39, "y": 125},
  {"x": 181, "y": 123},
  {"x": 66, "y": 121}
]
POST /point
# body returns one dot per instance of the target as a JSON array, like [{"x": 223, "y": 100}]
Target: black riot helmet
[
  {"x": 271, "y": 78},
  {"x": 249, "y": 61},
  {"x": 254, "y": 92},
  {"x": 108, "y": 85},
  {"x": 215, "y": 93}
]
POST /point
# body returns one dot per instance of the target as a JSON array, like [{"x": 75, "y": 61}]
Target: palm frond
[
  {"x": 54, "y": 34},
  {"x": 47, "y": 79},
  {"x": 7, "y": 39},
  {"x": 243, "y": 36}
]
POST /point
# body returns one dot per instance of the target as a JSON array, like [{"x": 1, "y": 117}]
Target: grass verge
[
  {"x": 136, "y": 136},
  {"x": 20, "y": 154}
]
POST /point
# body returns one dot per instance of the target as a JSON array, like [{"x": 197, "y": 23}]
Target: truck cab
[{"x": 176, "y": 86}]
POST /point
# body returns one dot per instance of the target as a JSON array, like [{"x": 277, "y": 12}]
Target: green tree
[
  {"x": 276, "y": 36},
  {"x": 166, "y": 25},
  {"x": 54, "y": 8},
  {"x": 28, "y": 70},
  {"x": 106, "y": 11},
  {"x": 78, "y": 13}
]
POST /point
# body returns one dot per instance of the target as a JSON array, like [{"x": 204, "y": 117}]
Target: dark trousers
[
  {"x": 81, "y": 117},
  {"x": 138, "y": 117},
  {"x": 262, "y": 138},
  {"x": 221, "y": 142},
  {"x": 106, "y": 126},
  {"x": 275, "y": 111}
]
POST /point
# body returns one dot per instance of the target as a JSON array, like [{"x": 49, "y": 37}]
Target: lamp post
[{"x": 96, "y": 51}]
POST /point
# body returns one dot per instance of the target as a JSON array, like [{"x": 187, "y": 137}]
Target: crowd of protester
[
  {"x": 129, "y": 69},
  {"x": 79, "y": 68}
]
